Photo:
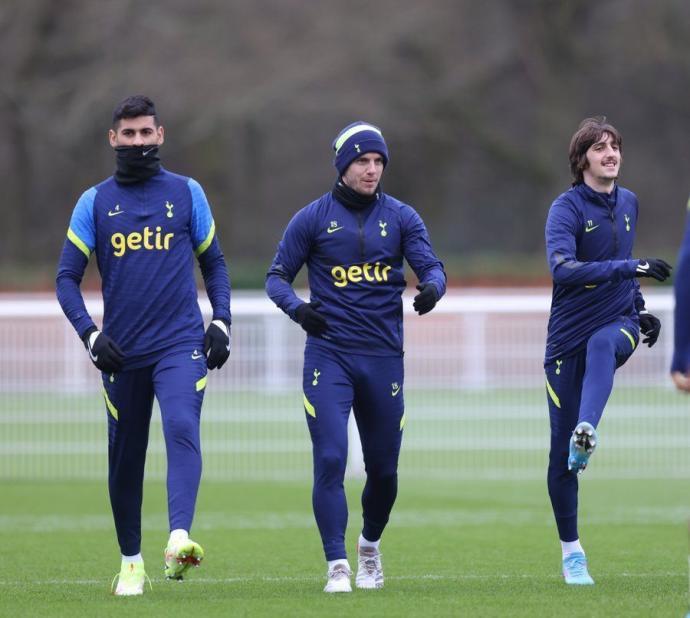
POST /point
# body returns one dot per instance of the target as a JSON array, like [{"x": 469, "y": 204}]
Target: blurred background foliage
[{"x": 477, "y": 100}]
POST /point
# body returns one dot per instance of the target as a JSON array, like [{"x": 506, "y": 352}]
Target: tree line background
[{"x": 477, "y": 100}]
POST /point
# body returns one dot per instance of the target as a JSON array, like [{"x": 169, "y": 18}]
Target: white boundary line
[{"x": 313, "y": 578}]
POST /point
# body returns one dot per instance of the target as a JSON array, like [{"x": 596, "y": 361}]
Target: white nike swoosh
[
  {"x": 145, "y": 152},
  {"x": 197, "y": 355},
  {"x": 394, "y": 393},
  {"x": 330, "y": 230},
  {"x": 645, "y": 267},
  {"x": 589, "y": 229},
  {"x": 113, "y": 213},
  {"x": 94, "y": 357}
]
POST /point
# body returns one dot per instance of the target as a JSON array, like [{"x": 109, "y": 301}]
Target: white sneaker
[
  {"x": 339, "y": 579},
  {"x": 369, "y": 569}
]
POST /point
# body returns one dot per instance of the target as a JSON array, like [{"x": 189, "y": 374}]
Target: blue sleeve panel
[
  {"x": 203, "y": 226},
  {"x": 419, "y": 253},
  {"x": 208, "y": 252},
  {"x": 681, "y": 316},
  {"x": 562, "y": 229},
  {"x": 293, "y": 251},
  {"x": 80, "y": 243},
  {"x": 82, "y": 226}
]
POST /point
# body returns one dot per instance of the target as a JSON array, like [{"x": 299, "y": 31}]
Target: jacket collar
[{"x": 608, "y": 200}]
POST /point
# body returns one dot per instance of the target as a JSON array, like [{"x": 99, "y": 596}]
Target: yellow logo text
[
  {"x": 140, "y": 240},
  {"x": 360, "y": 272}
]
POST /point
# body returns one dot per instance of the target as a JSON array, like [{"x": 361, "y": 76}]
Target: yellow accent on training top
[{"x": 207, "y": 242}]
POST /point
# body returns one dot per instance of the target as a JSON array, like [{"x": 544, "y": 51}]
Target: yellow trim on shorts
[
  {"x": 629, "y": 336},
  {"x": 309, "y": 409},
  {"x": 111, "y": 408},
  {"x": 552, "y": 394}
]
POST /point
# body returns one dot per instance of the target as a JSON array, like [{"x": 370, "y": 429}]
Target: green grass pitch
[
  {"x": 471, "y": 535},
  {"x": 453, "y": 548}
]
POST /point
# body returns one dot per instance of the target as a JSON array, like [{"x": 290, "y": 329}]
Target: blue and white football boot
[
  {"x": 575, "y": 570},
  {"x": 582, "y": 445}
]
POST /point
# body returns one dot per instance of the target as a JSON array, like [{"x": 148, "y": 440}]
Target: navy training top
[
  {"x": 355, "y": 269},
  {"x": 144, "y": 236},
  {"x": 589, "y": 242}
]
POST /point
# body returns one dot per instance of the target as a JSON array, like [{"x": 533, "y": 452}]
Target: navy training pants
[
  {"x": 334, "y": 383},
  {"x": 178, "y": 381},
  {"x": 578, "y": 388}
]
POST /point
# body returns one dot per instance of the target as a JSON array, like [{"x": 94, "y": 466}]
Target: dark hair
[
  {"x": 133, "y": 107},
  {"x": 590, "y": 131}
]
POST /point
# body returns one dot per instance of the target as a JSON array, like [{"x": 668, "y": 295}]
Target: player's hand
[
  {"x": 650, "y": 327},
  {"x": 104, "y": 352},
  {"x": 653, "y": 267},
  {"x": 427, "y": 298},
  {"x": 217, "y": 344},
  {"x": 310, "y": 319},
  {"x": 681, "y": 381}
]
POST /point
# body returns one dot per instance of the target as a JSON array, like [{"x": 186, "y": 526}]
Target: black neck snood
[
  {"x": 136, "y": 163},
  {"x": 350, "y": 198}
]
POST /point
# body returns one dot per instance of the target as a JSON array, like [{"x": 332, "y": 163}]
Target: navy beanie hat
[{"x": 355, "y": 140}]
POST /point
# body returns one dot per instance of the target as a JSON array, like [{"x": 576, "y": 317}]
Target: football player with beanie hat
[{"x": 353, "y": 240}]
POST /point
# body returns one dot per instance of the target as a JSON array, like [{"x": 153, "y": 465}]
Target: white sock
[
  {"x": 364, "y": 543},
  {"x": 568, "y": 547},
  {"x": 178, "y": 535},
  {"x": 332, "y": 563},
  {"x": 134, "y": 558}
]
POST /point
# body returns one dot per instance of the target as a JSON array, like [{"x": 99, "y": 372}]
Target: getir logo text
[
  {"x": 359, "y": 272},
  {"x": 141, "y": 240}
]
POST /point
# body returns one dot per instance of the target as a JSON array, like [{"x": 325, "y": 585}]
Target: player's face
[
  {"x": 363, "y": 174},
  {"x": 139, "y": 131},
  {"x": 603, "y": 161}
]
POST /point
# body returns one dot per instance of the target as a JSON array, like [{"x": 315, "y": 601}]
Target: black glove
[
  {"x": 427, "y": 298},
  {"x": 653, "y": 267},
  {"x": 217, "y": 344},
  {"x": 650, "y": 327},
  {"x": 310, "y": 319},
  {"x": 104, "y": 352}
]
